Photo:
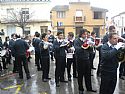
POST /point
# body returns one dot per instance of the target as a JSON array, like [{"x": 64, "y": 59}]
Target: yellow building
[{"x": 77, "y": 15}]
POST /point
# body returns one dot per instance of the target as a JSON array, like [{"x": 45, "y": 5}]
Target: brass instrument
[{"x": 121, "y": 54}]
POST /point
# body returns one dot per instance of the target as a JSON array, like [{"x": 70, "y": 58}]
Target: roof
[
  {"x": 99, "y": 9},
  {"x": 122, "y": 13},
  {"x": 79, "y": 2},
  {"x": 60, "y": 8}
]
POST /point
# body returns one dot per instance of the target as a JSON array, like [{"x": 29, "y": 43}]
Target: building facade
[
  {"x": 36, "y": 12},
  {"x": 119, "y": 22},
  {"x": 77, "y": 15}
]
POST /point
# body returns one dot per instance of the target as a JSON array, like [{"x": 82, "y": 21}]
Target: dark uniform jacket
[
  {"x": 109, "y": 59},
  {"x": 58, "y": 51},
  {"x": 43, "y": 52},
  {"x": 81, "y": 54},
  {"x": 20, "y": 47},
  {"x": 11, "y": 46},
  {"x": 36, "y": 45}
]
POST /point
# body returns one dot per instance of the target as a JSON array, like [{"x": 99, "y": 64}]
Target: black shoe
[
  {"x": 81, "y": 92},
  {"x": 5, "y": 68},
  {"x": 28, "y": 77},
  {"x": 69, "y": 79},
  {"x": 64, "y": 81},
  {"x": 57, "y": 84},
  {"x": 48, "y": 78},
  {"x": 45, "y": 80},
  {"x": 94, "y": 68},
  {"x": 39, "y": 69},
  {"x": 92, "y": 90}
]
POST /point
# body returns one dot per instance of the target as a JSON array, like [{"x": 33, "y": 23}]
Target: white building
[
  {"x": 40, "y": 20},
  {"x": 119, "y": 22}
]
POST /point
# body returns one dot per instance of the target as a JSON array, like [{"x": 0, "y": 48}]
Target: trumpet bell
[{"x": 85, "y": 46}]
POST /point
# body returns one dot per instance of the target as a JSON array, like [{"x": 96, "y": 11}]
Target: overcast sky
[{"x": 114, "y": 6}]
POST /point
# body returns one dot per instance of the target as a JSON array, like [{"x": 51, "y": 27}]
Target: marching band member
[
  {"x": 51, "y": 39},
  {"x": 20, "y": 48},
  {"x": 44, "y": 53},
  {"x": 11, "y": 44},
  {"x": 83, "y": 62},
  {"x": 6, "y": 58},
  {"x": 35, "y": 44},
  {"x": 70, "y": 56},
  {"x": 93, "y": 50},
  {"x": 109, "y": 64},
  {"x": 59, "y": 47},
  {"x": 122, "y": 65}
]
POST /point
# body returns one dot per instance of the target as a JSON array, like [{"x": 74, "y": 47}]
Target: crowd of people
[{"x": 79, "y": 52}]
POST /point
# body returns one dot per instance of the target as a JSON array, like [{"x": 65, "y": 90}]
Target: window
[
  {"x": 61, "y": 14},
  {"x": 9, "y": 13},
  {"x": 97, "y": 31},
  {"x": 26, "y": 31},
  {"x": 25, "y": 13},
  {"x": 79, "y": 13},
  {"x": 43, "y": 29},
  {"x": 98, "y": 15}
]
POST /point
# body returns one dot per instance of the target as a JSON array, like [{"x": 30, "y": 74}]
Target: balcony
[{"x": 79, "y": 19}]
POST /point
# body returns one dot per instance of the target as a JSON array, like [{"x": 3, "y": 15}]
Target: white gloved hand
[
  {"x": 119, "y": 45},
  {"x": 45, "y": 46},
  {"x": 72, "y": 48}
]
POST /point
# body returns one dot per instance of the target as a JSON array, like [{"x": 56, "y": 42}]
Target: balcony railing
[{"x": 79, "y": 19}]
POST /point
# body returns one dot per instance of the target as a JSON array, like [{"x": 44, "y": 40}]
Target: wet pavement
[{"x": 10, "y": 84}]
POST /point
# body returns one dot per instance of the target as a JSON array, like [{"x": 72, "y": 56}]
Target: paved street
[{"x": 10, "y": 84}]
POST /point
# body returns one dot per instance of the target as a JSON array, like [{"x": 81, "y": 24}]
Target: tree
[{"x": 19, "y": 18}]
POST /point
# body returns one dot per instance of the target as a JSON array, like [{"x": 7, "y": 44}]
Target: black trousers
[
  {"x": 83, "y": 69},
  {"x": 122, "y": 69},
  {"x": 4, "y": 62},
  {"x": 15, "y": 65},
  {"x": 92, "y": 56},
  {"x": 22, "y": 62},
  {"x": 71, "y": 61},
  {"x": 108, "y": 82},
  {"x": 60, "y": 68},
  {"x": 52, "y": 55},
  {"x": 38, "y": 61},
  {"x": 46, "y": 67}
]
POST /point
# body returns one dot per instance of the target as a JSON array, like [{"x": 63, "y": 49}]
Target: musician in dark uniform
[
  {"x": 11, "y": 44},
  {"x": 6, "y": 58},
  {"x": 109, "y": 64},
  {"x": 60, "y": 58},
  {"x": 44, "y": 53},
  {"x": 20, "y": 48},
  {"x": 51, "y": 40},
  {"x": 122, "y": 65},
  {"x": 71, "y": 56},
  {"x": 93, "y": 50},
  {"x": 37, "y": 51},
  {"x": 83, "y": 62}
]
